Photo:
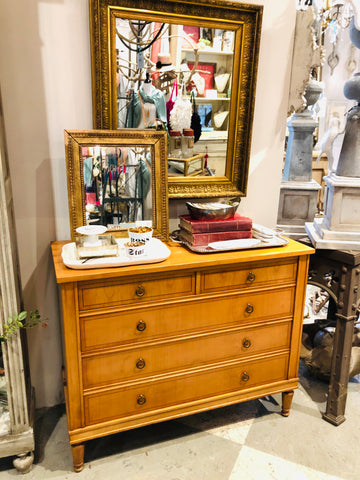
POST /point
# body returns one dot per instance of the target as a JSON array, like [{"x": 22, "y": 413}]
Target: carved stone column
[
  {"x": 20, "y": 439},
  {"x": 298, "y": 191}
]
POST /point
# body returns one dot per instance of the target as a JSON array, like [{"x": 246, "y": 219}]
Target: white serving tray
[{"x": 157, "y": 252}]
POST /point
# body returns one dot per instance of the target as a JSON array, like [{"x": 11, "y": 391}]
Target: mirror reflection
[
  {"x": 117, "y": 183},
  {"x": 189, "y": 69},
  {"x": 178, "y": 78}
]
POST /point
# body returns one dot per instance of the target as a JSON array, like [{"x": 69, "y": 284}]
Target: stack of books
[{"x": 202, "y": 232}]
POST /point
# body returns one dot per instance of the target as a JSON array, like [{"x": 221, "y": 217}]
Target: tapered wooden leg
[
  {"x": 78, "y": 456},
  {"x": 286, "y": 403}
]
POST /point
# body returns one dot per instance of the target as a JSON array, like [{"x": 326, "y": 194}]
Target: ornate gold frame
[
  {"x": 243, "y": 19},
  {"x": 157, "y": 141}
]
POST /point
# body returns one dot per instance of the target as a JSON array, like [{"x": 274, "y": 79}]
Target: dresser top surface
[{"x": 179, "y": 259}]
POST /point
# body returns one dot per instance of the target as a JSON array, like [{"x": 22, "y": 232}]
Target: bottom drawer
[{"x": 175, "y": 391}]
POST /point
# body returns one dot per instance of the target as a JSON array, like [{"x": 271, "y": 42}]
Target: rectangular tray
[
  {"x": 157, "y": 252},
  {"x": 276, "y": 241}
]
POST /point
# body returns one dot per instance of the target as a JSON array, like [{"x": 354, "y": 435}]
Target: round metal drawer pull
[
  {"x": 245, "y": 377},
  {"x": 140, "y": 363},
  {"x": 251, "y": 277},
  {"x": 141, "y": 400},
  {"x": 249, "y": 308},
  {"x": 246, "y": 343},
  {"x": 140, "y": 291},
  {"x": 141, "y": 326}
]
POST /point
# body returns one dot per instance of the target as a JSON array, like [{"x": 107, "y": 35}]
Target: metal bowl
[{"x": 212, "y": 210}]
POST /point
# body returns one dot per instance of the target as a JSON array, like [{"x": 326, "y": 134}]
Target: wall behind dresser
[{"x": 45, "y": 77}]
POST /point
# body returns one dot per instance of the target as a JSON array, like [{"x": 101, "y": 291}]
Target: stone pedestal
[
  {"x": 298, "y": 160},
  {"x": 297, "y": 205},
  {"x": 340, "y": 226},
  {"x": 349, "y": 160},
  {"x": 298, "y": 191}
]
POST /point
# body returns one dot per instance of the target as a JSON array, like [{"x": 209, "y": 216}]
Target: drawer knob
[
  {"x": 246, "y": 343},
  {"x": 140, "y": 291},
  {"x": 141, "y": 400},
  {"x": 249, "y": 308},
  {"x": 251, "y": 277},
  {"x": 140, "y": 364},
  {"x": 141, "y": 326},
  {"x": 245, "y": 377}
]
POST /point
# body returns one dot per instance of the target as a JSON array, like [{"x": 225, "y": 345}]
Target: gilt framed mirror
[
  {"x": 117, "y": 178},
  {"x": 206, "y": 50}
]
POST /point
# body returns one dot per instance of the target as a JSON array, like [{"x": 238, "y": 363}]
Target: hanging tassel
[{"x": 206, "y": 156}]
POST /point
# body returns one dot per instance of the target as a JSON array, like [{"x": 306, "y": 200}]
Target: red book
[
  {"x": 200, "y": 239},
  {"x": 235, "y": 223}
]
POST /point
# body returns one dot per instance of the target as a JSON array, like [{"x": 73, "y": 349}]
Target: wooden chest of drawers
[{"x": 149, "y": 343}]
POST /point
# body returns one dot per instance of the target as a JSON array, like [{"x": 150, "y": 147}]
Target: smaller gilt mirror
[{"x": 117, "y": 179}]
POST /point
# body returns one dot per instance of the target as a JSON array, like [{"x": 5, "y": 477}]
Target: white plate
[
  {"x": 235, "y": 244},
  {"x": 91, "y": 230},
  {"x": 156, "y": 252}
]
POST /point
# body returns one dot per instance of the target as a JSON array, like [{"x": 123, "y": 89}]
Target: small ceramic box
[
  {"x": 140, "y": 234},
  {"x": 134, "y": 249}
]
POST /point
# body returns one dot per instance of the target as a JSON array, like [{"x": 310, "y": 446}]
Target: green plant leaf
[
  {"x": 18, "y": 321},
  {"x": 22, "y": 315}
]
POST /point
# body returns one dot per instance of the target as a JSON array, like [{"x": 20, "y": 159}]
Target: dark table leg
[
  {"x": 340, "y": 366},
  {"x": 338, "y": 271}
]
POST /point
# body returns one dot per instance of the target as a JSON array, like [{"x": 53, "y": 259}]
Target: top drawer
[
  {"x": 139, "y": 290},
  {"x": 249, "y": 276}
]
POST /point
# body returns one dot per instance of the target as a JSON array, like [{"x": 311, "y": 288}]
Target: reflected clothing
[
  {"x": 112, "y": 159},
  {"x": 135, "y": 108},
  {"x": 145, "y": 176},
  {"x": 88, "y": 171}
]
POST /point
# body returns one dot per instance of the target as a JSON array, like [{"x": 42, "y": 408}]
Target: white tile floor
[{"x": 248, "y": 441}]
